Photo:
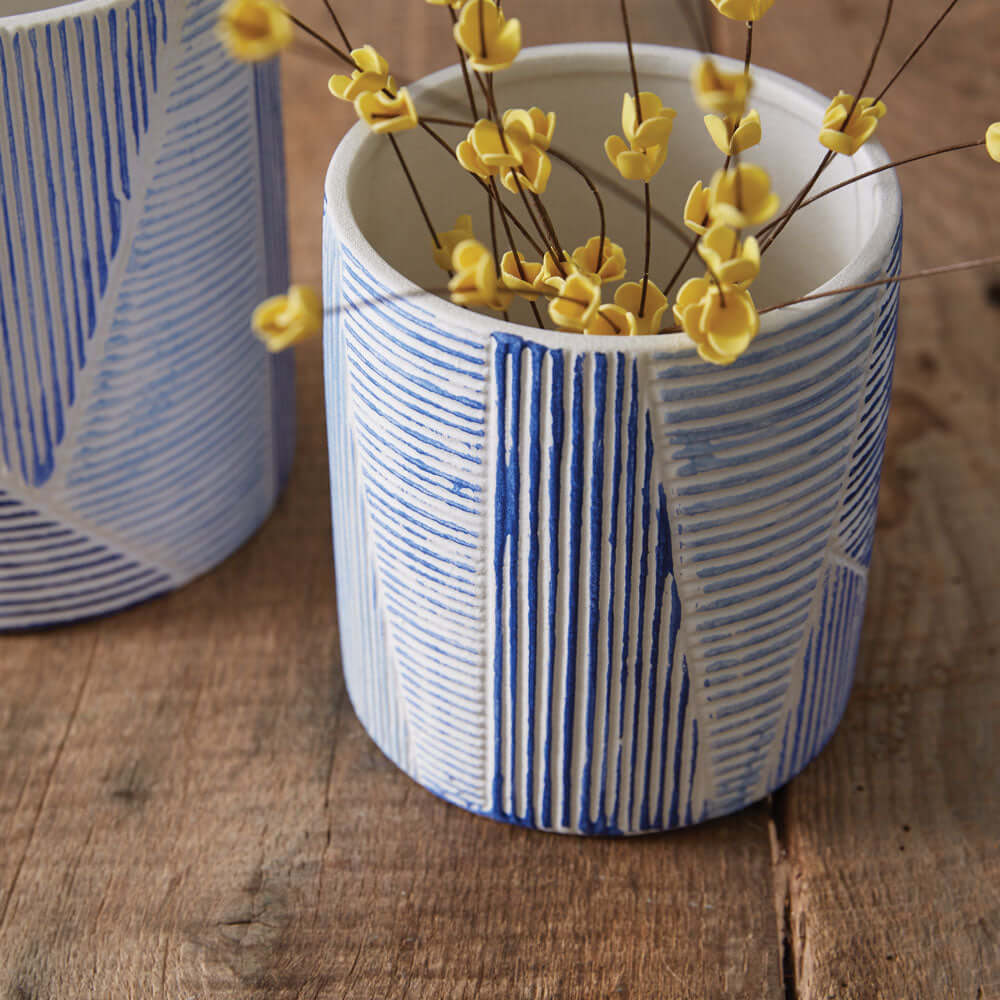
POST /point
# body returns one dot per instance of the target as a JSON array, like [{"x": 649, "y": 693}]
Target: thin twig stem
[
  {"x": 329, "y": 6},
  {"x": 649, "y": 248},
  {"x": 325, "y": 42},
  {"x": 669, "y": 287},
  {"x": 573, "y": 165},
  {"x": 631, "y": 61},
  {"x": 913, "y": 54},
  {"x": 413, "y": 188}
]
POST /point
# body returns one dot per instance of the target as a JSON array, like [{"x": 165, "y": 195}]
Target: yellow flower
[
  {"x": 475, "y": 279},
  {"x": 742, "y": 196},
  {"x": 690, "y": 295},
  {"x": 656, "y": 125},
  {"x": 731, "y": 136},
  {"x": 494, "y": 149},
  {"x": 611, "y": 266},
  {"x": 608, "y": 321},
  {"x": 723, "y": 323},
  {"x": 743, "y": 10},
  {"x": 288, "y": 319},
  {"x": 649, "y": 319},
  {"x": 371, "y": 76},
  {"x": 384, "y": 114},
  {"x": 534, "y": 126},
  {"x": 634, "y": 164},
  {"x": 449, "y": 240},
  {"x": 511, "y": 269},
  {"x": 848, "y": 138},
  {"x": 253, "y": 30},
  {"x": 732, "y": 262},
  {"x": 718, "y": 92},
  {"x": 487, "y": 37},
  {"x": 698, "y": 208},
  {"x": 578, "y": 300},
  {"x": 533, "y": 171},
  {"x": 552, "y": 273},
  {"x": 993, "y": 141}
]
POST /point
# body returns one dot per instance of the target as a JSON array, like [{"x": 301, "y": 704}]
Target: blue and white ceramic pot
[
  {"x": 144, "y": 433},
  {"x": 595, "y": 585}
]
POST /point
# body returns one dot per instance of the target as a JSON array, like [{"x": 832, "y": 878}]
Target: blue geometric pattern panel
[
  {"x": 142, "y": 194},
  {"x": 583, "y": 580}
]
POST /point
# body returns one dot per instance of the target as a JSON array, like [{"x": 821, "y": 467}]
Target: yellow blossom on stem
[
  {"x": 634, "y": 164},
  {"x": 611, "y": 266},
  {"x": 254, "y": 30},
  {"x": 487, "y": 37},
  {"x": 475, "y": 280},
  {"x": 743, "y": 10},
  {"x": 288, "y": 319},
  {"x": 847, "y": 136},
  {"x": 742, "y": 196},
  {"x": 384, "y": 114},
  {"x": 732, "y": 136},
  {"x": 511, "y": 269},
  {"x": 578, "y": 300},
  {"x": 533, "y": 171},
  {"x": 371, "y": 76},
  {"x": 532, "y": 125},
  {"x": 718, "y": 92},
  {"x": 648, "y": 318},
  {"x": 723, "y": 323},
  {"x": 731, "y": 261},
  {"x": 552, "y": 273},
  {"x": 993, "y": 141},
  {"x": 697, "y": 208},
  {"x": 491, "y": 147},
  {"x": 609, "y": 321},
  {"x": 447, "y": 241},
  {"x": 446, "y": 3},
  {"x": 690, "y": 295},
  {"x": 656, "y": 125}
]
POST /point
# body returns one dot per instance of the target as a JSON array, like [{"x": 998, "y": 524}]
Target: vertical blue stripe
[{"x": 512, "y": 511}]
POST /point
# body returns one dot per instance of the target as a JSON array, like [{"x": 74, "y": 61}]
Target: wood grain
[
  {"x": 891, "y": 839},
  {"x": 189, "y": 808}
]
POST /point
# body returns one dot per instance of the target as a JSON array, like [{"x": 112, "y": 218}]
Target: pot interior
[
  {"x": 11, "y": 7},
  {"x": 585, "y": 85}
]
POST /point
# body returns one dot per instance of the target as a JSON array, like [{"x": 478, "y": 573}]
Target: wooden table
[{"x": 189, "y": 808}]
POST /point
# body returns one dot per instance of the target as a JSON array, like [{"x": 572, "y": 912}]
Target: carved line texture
[
  {"x": 601, "y": 592},
  {"x": 141, "y": 188}
]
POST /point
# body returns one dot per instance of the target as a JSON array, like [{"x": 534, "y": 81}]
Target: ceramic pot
[
  {"x": 144, "y": 434},
  {"x": 595, "y": 585}
]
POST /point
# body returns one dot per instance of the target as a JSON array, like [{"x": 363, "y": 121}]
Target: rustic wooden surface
[{"x": 189, "y": 808}]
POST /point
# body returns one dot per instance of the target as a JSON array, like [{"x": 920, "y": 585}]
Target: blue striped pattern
[
  {"x": 370, "y": 672},
  {"x": 590, "y": 684},
  {"x": 601, "y": 591},
  {"x": 49, "y": 572},
  {"x": 416, "y": 416},
  {"x": 137, "y": 232}
]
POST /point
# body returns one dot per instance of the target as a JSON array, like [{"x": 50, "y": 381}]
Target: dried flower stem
[
  {"x": 513, "y": 246},
  {"x": 828, "y": 159},
  {"x": 329, "y": 6},
  {"x": 597, "y": 197},
  {"x": 906, "y": 62},
  {"x": 930, "y": 272},
  {"x": 669, "y": 287},
  {"x": 877, "y": 170},
  {"x": 325, "y": 42},
  {"x": 631, "y": 60},
  {"x": 413, "y": 188}
]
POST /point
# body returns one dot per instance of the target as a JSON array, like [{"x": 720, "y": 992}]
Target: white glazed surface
[
  {"x": 143, "y": 431},
  {"x": 595, "y": 585}
]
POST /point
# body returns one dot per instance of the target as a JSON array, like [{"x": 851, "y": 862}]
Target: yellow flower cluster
[
  {"x": 372, "y": 91},
  {"x": 647, "y": 129},
  {"x": 490, "y": 40},
  {"x": 254, "y": 30},
  {"x": 848, "y": 125},
  {"x": 475, "y": 280},
  {"x": 518, "y": 146},
  {"x": 288, "y": 319}
]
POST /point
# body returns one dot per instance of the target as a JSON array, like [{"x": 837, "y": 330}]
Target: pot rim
[
  {"x": 54, "y": 14},
  {"x": 666, "y": 61}
]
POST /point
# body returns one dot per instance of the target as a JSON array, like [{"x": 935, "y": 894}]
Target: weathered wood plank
[
  {"x": 189, "y": 808},
  {"x": 891, "y": 837}
]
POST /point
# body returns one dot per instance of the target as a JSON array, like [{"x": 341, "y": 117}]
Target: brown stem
[
  {"x": 336, "y": 21},
  {"x": 799, "y": 198},
  {"x": 680, "y": 270},
  {"x": 930, "y": 272},
  {"x": 749, "y": 52},
  {"x": 325, "y": 42},
  {"x": 913, "y": 54},
  {"x": 513, "y": 247},
  {"x": 631, "y": 61},
  {"x": 597, "y": 197},
  {"x": 416, "y": 193},
  {"x": 649, "y": 245}
]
